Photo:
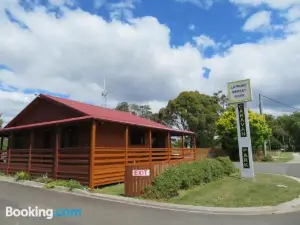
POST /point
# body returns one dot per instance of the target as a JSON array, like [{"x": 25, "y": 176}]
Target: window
[
  {"x": 70, "y": 137},
  {"x": 20, "y": 141},
  {"x": 137, "y": 137}
]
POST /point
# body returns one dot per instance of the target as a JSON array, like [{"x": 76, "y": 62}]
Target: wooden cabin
[{"x": 67, "y": 139}]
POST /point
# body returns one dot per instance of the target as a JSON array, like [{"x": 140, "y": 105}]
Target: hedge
[{"x": 185, "y": 176}]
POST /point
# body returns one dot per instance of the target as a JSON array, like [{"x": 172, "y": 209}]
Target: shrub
[
  {"x": 228, "y": 166},
  {"x": 275, "y": 144},
  {"x": 71, "y": 184},
  {"x": 22, "y": 176},
  {"x": 267, "y": 158},
  {"x": 43, "y": 179},
  {"x": 185, "y": 176}
]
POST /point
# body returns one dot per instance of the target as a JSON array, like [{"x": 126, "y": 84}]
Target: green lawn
[
  {"x": 284, "y": 157},
  {"x": 117, "y": 189},
  {"x": 236, "y": 192}
]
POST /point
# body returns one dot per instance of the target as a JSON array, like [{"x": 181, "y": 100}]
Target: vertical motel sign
[{"x": 239, "y": 93}]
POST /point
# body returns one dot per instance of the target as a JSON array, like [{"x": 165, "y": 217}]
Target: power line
[{"x": 280, "y": 103}]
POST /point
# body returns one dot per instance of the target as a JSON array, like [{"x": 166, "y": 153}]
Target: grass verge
[
  {"x": 236, "y": 192},
  {"x": 117, "y": 189},
  {"x": 284, "y": 157}
]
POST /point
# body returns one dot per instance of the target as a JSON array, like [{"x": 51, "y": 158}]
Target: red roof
[
  {"x": 112, "y": 115},
  {"x": 46, "y": 123}
]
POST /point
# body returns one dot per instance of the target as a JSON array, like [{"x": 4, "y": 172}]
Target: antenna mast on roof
[{"x": 104, "y": 93}]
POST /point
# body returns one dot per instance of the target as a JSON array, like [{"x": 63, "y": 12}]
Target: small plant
[
  {"x": 71, "y": 184},
  {"x": 43, "y": 179},
  {"x": 267, "y": 158},
  {"x": 2, "y": 174},
  {"x": 22, "y": 176}
]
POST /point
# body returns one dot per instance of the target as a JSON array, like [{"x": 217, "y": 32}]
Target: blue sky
[
  {"x": 223, "y": 21},
  {"x": 147, "y": 50}
]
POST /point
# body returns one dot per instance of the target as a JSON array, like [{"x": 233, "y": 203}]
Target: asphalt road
[{"x": 99, "y": 212}]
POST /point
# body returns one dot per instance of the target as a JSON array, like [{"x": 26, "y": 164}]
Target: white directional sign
[
  {"x": 239, "y": 91},
  {"x": 244, "y": 139}
]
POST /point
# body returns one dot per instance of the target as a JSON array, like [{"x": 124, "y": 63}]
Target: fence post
[
  {"x": 56, "y": 151},
  {"x": 1, "y": 144},
  {"x": 169, "y": 147},
  {"x": 10, "y": 145},
  {"x": 150, "y": 145},
  {"x": 92, "y": 154},
  {"x": 30, "y": 149},
  {"x": 182, "y": 147},
  {"x": 195, "y": 147},
  {"x": 126, "y": 145}
]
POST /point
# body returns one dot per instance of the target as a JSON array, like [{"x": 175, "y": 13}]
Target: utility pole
[{"x": 261, "y": 113}]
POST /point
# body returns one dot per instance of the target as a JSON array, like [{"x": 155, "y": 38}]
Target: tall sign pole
[{"x": 239, "y": 93}]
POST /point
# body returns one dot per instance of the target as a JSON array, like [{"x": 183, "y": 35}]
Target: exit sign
[{"x": 141, "y": 173}]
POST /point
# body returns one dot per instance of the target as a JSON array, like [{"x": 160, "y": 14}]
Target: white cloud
[
  {"x": 206, "y": 4},
  {"x": 204, "y": 41},
  {"x": 192, "y": 27},
  {"x": 13, "y": 102},
  {"x": 258, "y": 21},
  {"x": 73, "y": 54},
  {"x": 122, "y": 9},
  {"x": 292, "y": 14},
  {"x": 275, "y": 4}
]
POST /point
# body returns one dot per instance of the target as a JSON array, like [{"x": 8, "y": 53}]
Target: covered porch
[{"x": 91, "y": 151}]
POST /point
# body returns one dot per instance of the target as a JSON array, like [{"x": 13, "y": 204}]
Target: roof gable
[
  {"x": 78, "y": 110},
  {"x": 42, "y": 110}
]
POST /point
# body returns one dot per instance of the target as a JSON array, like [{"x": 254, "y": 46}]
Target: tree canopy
[
  {"x": 209, "y": 116},
  {"x": 227, "y": 130},
  {"x": 195, "y": 112},
  {"x": 139, "y": 110}
]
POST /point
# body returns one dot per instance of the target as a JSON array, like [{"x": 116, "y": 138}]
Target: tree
[
  {"x": 291, "y": 124},
  {"x": 227, "y": 131},
  {"x": 279, "y": 132},
  {"x": 145, "y": 111},
  {"x": 138, "y": 110},
  {"x": 193, "y": 111},
  {"x": 222, "y": 99},
  {"x": 123, "y": 106}
]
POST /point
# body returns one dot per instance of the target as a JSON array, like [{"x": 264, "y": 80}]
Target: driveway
[
  {"x": 98, "y": 212},
  {"x": 296, "y": 158}
]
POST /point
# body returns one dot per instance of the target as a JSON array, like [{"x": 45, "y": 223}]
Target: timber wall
[{"x": 44, "y": 111}]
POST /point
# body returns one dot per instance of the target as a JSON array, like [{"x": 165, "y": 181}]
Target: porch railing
[{"x": 110, "y": 162}]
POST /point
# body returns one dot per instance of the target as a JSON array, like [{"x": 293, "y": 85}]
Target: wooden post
[
  {"x": 169, "y": 147},
  {"x": 1, "y": 144},
  {"x": 150, "y": 145},
  {"x": 56, "y": 151},
  {"x": 182, "y": 147},
  {"x": 92, "y": 154},
  {"x": 10, "y": 146},
  {"x": 194, "y": 147},
  {"x": 30, "y": 149},
  {"x": 126, "y": 145}
]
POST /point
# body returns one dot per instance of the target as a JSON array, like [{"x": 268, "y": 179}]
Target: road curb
[{"x": 287, "y": 207}]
